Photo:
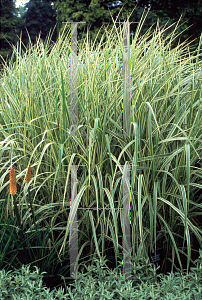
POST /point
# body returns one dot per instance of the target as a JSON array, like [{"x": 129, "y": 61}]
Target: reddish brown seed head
[
  {"x": 13, "y": 184},
  {"x": 28, "y": 176}
]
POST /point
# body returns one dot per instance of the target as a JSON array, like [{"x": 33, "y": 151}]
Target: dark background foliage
[{"x": 41, "y": 16}]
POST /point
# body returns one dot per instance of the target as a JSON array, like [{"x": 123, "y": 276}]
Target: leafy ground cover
[{"x": 101, "y": 284}]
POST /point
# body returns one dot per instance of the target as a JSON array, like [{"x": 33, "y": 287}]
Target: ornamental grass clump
[{"x": 164, "y": 148}]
